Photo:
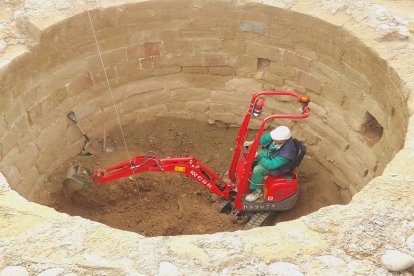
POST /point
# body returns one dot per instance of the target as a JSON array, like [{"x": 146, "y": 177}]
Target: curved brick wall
[{"x": 202, "y": 61}]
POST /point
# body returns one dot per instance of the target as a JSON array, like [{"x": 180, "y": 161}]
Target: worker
[{"x": 277, "y": 158}]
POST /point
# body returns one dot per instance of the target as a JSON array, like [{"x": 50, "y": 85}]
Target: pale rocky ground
[{"x": 341, "y": 240}]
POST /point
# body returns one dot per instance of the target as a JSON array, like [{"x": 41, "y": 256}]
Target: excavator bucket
[{"x": 77, "y": 178}]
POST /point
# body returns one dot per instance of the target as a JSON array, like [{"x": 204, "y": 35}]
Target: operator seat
[{"x": 300, "y": 153}]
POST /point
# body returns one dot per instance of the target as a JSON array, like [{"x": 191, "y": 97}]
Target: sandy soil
[{"x": 166, "y": 203}]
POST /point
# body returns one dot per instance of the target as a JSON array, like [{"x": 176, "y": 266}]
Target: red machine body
[{"x": 276, "y": 188}]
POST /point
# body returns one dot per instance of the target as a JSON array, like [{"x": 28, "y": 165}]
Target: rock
[
  {"x": 284, "y": 269},
  {"x": 395, "y": 260},
  {"x": 3, "y": 45},
  {"x": 52, "y": 272},
  {"x": 14, "y": 271},
  {"x": 331, "y": 260},
  {"x": 167, "y": 269},
  {"x": 211, "y": 121},
  {"x": 410, "y": 242},
  {"x": 4, "y": 186},
  {"x": 403, "y": 32},
  {"x": 410, "y": 26}
]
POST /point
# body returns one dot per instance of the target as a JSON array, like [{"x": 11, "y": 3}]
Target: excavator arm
[{"x": 189, "y": 166}]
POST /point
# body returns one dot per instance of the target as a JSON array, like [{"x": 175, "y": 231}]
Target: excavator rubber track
[{"x": 259, "y": 219}]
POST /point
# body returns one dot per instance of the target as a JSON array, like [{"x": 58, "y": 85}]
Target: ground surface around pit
[{"x": 155, "y": 204}]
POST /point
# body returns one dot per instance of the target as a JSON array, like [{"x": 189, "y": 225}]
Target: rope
[
  {"x": 109, "y": 86},
  {"x": 113, "y": 102}
]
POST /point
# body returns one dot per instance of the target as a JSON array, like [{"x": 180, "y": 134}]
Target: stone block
[
  {"x": 49, "y": 154},
  {"x": 237, "y": 99},
  {"x": 213, "y": 59},
  {"x": 13, "y": 176},
  {"x": 330, "y": 91},
  {"x": 207, "y": 44},
  {"x": 143, "y": 86},
  {"x": 52, "y": 134},
  {"x": 225, "y": 113},
  {"x": 221, "y": 70},
  {"x": 31, "y": 181},
  {"x": 355, "y": 76},
  {"x": 177, "y": 81},
  {"x": 304, "y": 50},
  {"x": 111, "y": 32},
  {"x": 146, "y": 63},
  {"x": 138, "y": 35},
  {"x": 195, "y": 32},
  {"x": 207, "y": 81},
  {"x": 295, "y": 86},
  {"x": 175, "y": 45},
  {"x": 174, "y": 59},
  {"x": 295, "y": 60},
  {"x": 246, "y": 85},
  {"x": 254, "y": 27},
  {"x": 197, "y": 109},
  {"x": 113, "y": 43},
  {"x": 27, "y": 158},
  {"x": 40, "y": 23},
  {"x": 114, "y": 56},
  {"x": 272, "y": 78},
  {"x": 243, "y": 61},
  {"x": 232, "y": 46},
  {"x": 144, "y": 50},
  {"x": 263, "y": 51},
  {"x": 14, "y": 112},
  {"x": 324, "y": 72},
  {"x": 79, "y": 84},
  {"x": 244, "y": 72},
  {"x": 195, "y": 69},
  {"x": 190, "y": 94},
  {"x": 351, "y": 90},
  {"x": 9, "y": 140},
  {"x": 106, "y": 18},
  {"x": 152, "y": 112},
  {"x": 283, "y": 71},
  {"x": 167, "y": 70},
  {"x": 2, "y": 125},
  {"x": 135, "y": 72},
  {"x": 309, "y": 81},
  {"x": 340, "y": 126},
  {"x": 146, "y": 100}
]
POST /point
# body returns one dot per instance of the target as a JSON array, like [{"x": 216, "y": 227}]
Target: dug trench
[{"x": 154, "y": 204}]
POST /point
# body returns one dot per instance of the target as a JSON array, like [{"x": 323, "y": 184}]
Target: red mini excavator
[{"x": 280, "y": 192}]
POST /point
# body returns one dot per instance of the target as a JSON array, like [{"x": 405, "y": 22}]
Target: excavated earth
[{"x": 176, "y": 77}]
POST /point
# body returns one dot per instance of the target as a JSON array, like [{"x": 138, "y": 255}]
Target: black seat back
[{"x": 300, "y": 152}]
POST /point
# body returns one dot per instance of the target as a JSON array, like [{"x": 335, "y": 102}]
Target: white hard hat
[{"x": 280, "y": 133}]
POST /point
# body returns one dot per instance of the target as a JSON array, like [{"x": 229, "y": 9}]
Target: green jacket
[{"x": 263, "y": 156}]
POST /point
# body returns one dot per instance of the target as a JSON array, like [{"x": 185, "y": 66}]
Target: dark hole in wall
[
  {"x": 262, "y": 64},
  {"x": 371, "y": 129}
]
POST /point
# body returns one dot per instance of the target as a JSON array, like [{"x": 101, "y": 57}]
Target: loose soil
[{"x": 154, "y": 204}]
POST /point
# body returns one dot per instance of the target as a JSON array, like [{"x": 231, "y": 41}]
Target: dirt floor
[{"x": 155, "y": 204}]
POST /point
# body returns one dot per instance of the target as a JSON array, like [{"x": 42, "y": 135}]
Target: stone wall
[{"x": 201, "y": 61}]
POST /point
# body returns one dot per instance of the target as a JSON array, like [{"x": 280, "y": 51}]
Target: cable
[
  {"x": 113, "y": 102},
  {"x": 109, "y": 86}
]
